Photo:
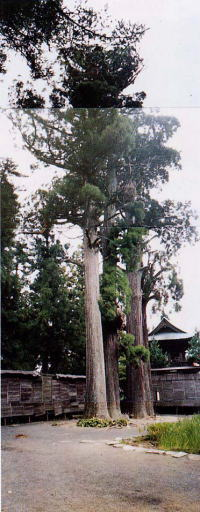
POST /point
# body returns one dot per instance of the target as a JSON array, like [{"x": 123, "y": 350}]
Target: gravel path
[{"x": 51, "y": 469}]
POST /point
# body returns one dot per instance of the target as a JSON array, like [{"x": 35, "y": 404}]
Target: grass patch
[
  {"x": 102, "y": 423},
  {"x": 181, "y": 436}
]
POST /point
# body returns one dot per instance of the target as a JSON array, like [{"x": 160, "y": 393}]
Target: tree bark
[
  {"x": 136, "y": 390},
  {"x": 95, "y": 402},
  {"x": 148, "y": 380},
  {"x": 111, "y": 329},
  {"x": 112, "y": 376}
]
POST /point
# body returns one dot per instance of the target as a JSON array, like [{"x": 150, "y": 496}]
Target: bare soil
[{"x": 65, "y": 468}]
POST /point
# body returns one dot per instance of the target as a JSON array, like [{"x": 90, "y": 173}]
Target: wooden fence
[
  {"x": 34, "y": 395},
  {"x": 31, "y": 394}
]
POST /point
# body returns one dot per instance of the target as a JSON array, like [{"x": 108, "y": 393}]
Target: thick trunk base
[{"x": 137, "y": 403}]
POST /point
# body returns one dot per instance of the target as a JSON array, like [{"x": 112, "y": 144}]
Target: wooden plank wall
[
  {"x": 36, "y": 396},
  {"x": 176, "y": 388}
]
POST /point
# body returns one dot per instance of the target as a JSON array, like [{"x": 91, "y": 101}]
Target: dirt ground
[{"x": 64, "y": 468}]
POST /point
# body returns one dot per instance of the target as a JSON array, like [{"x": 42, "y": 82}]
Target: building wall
[
  {"x": 23, "y": 395},
  {"x": 178, "y": 387}
]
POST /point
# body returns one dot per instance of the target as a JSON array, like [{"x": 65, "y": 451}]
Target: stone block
[
  {"x": 127, "y": 448},
  {"x": 176, "y": 454}
]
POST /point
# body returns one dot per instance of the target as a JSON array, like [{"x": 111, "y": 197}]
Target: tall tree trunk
[
  {"x": 95, "y": 402},
  {"x": 148, "y": 380},
  {"x": 111, "y": 329},
  {"x": 112, "y": 376},
  {"x": 136, "y": 389}
]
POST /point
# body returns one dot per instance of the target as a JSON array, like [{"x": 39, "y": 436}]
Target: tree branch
[{"x": 74, "y": 262}]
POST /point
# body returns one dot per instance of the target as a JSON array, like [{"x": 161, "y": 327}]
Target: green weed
[
  {"x": 101, "y": 423},
  {"x": 181, "y": 436}
]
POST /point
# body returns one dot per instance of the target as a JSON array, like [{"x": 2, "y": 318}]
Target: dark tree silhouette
[{"x": 79, "y": 60}]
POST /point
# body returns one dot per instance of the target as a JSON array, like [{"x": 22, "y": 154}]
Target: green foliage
[
  {"x": 122, "y": 363},
  {"x": 183, "y": 435},
  {"x": 92, "y": 193},
  {"x": 148, "y": 166},
  {"x": 101, "y": 423},
  {"x": 127, "y": 340},
  {"x": 130, "y": 246},
  {"x": 42, "y": 303},
  {"x": 121, "y": 422},
  {"x": 158, "y": 358},
  {"x": 126, "y": 345},
  {"x": 138, "y": 354},
  {"x": 151, "y": 158},
  {"x": 134, "y": 353},
  {"x": 9, "y": 204},
  {"x": 122, "y": 366},
  {"x": 57, "y": 310},
  {"x": 125, "y": 240},
  {"x": 114, "y": 290},
  {"x": 16, "y": 353},
  {"x": 81, "y": 144},
  {"x": 193, "y": 353}
]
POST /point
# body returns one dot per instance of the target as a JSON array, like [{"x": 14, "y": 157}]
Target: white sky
[
  {"x": 170, "y": 48},
  {"x": 171, "y": 80}
]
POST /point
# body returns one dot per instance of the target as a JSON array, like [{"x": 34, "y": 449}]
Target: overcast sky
[
  {"x": 171, "y": 80},
  {"x": 170, "y": 48}
]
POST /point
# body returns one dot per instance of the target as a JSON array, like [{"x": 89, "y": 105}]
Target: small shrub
[
  {"x": 193, "y": 353},
  {"x": 135, "y": 354},
  {"x": 101, "y": 423},
  {"x": 159, "y": 359},
  {"x": 121, "y": 422},
  {"x": 93, "y": 422}
]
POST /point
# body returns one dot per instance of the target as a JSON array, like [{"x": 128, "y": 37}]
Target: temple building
[{"x": 172, "y": 340}]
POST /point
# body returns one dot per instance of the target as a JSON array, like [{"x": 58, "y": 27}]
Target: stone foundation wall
[{"x": 176, "y": 387}]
